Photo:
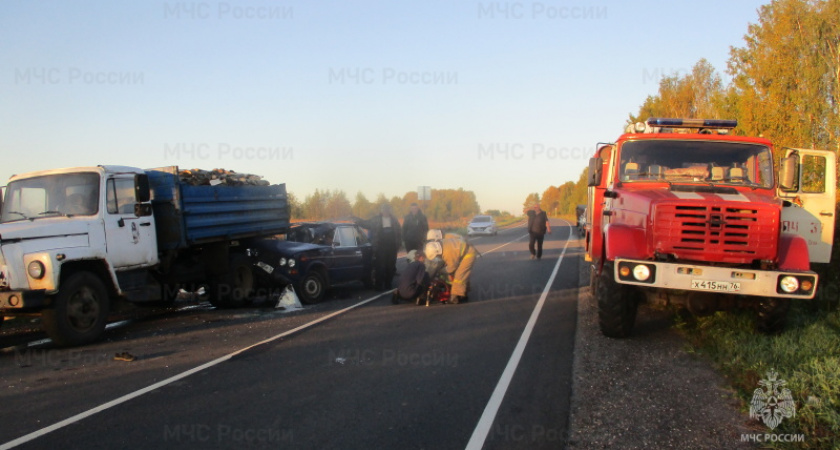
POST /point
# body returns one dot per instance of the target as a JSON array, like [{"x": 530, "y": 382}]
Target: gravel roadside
[{"x": 647, "y": 392}]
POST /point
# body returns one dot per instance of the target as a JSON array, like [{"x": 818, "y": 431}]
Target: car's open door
[{"x": 807, "y": 179}]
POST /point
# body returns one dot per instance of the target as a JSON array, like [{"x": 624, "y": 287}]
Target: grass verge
[{"x": 806, "y": 356}]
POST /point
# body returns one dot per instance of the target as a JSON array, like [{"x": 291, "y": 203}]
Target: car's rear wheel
[{"x": 312, "y": 288}]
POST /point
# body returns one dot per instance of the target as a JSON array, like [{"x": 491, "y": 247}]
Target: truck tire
[
  {"x": 617, "y": 304},
  {"x": 235, "y": 287},
  {"x": 771, "y": 314},
  {"x": 312, "y": 288},
  {"x": 79, "y": 311}
]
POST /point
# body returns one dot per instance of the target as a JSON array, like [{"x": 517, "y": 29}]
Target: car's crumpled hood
[{"x": 289, "y": 248}]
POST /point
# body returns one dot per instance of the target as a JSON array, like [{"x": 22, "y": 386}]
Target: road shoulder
[{"x": 647, "y": 391}]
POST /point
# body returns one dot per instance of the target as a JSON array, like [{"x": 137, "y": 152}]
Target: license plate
[{"x": 717, "y": 286}]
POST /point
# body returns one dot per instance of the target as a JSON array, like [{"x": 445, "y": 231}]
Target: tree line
[
  {"x": 785, "y": 86},
  {"x": 446, "y": 205}
]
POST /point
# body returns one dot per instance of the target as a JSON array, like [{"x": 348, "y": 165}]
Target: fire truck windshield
[{"x": 695, "y": 161}]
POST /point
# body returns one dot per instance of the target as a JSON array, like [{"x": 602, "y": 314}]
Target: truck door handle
[
  {"x": 145, "y": 224},
  {"x": 826, "y": 213}
]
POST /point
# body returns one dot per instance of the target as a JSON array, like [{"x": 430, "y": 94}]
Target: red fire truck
[{"x": 681, "y": 212}]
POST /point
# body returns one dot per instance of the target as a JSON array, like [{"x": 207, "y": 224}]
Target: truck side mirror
[
  {"x": 595, "y": 168},
  {"x": 789, "y": 173},
  {"x": 142, "y": 193}
]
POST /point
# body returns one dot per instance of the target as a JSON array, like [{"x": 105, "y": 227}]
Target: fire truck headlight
[
  {"x": 641, "y": 272},
  {"x": 36, "y": 270},
  {"x": 789, "y": 284}
]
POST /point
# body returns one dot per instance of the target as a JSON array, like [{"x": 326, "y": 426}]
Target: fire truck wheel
[
  {"x": 771, "y": 315},
  {"x": 617, "y": 305},
  {"x": 79, "y": 311}
]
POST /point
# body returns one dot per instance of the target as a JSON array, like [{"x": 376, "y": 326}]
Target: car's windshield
[
  {"x": 481, "y": 219},
  {"x": 729, "y": 163},
  {"x": 69, "y": 194}
]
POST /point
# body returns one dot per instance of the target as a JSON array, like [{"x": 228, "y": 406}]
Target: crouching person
[
  {"x": 414, "y": 280},
  {"x": 458, "y": 257}
]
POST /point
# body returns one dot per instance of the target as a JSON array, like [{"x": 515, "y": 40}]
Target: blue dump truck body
[{"x": 188, "y": 215}]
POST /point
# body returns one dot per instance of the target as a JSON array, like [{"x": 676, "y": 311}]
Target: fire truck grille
[{"x": 730, "y": 234}]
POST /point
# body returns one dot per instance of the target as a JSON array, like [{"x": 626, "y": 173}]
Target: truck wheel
[
  {"x": 771, "y": 315},
  {"x": 79, "y": 311},
  {"x": 617, "y": 305},
  {"x": 312, "y": 288},
  {"x": 235, "y": 287}
]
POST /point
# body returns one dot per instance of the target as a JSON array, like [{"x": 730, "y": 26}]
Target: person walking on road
[
  {"x": 538, "y": 226},
  {"x": 414, "y": 229},
  {"x": 385, "y": 238}
]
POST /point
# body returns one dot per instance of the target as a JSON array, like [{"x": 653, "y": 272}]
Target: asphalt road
[{"x": 495, "y": 372}]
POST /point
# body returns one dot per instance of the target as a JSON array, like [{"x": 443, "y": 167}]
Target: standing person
[
  {"x": 414, "y": 229},
  {"x": 538, "y": 226},
  {"x": 385, "y": 238}
]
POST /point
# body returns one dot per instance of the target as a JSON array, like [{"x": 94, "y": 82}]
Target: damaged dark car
[{"x": 315, "y": 256}]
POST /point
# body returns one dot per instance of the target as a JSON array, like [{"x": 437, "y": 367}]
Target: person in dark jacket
[
  {"x": 385, "y": 238},
  {"x": 538, "y": 226},
  {"x": 414, "y": 280},
  {"x": 414, "y": 229}
]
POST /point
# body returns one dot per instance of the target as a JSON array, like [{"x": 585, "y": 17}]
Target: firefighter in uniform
[{"x": 458, "y": 257}]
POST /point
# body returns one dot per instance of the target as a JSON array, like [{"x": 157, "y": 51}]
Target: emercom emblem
[{"x": 774, "y": 403}]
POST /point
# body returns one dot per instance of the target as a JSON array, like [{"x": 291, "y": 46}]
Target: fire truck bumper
[{"x": 688, "y": 277}]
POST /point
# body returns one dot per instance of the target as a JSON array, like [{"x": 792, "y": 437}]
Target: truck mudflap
[
  {"x": 23, "y": 299},
  {"x": 723, "y": 280}
]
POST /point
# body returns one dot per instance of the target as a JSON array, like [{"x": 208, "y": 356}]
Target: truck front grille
[{"x": 725, "y": 233}]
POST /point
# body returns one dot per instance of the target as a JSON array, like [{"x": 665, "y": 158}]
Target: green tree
[
  {"x": 698, "y": 94},
  {"x": 785, "y": 79},
  {"x": 362, "y": 207},
  {"x": 530, "y": 200},
  {"x": 295, "y": 207}
]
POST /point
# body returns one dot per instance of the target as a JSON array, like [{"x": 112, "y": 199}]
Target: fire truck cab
[{"x": 681, "y": 212}]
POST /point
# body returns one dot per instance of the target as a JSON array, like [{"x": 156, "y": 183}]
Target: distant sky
[{"x": 500, "y": 98}]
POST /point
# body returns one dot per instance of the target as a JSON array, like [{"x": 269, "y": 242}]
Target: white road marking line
[
  {"x": 83, "y": 415},
  {"x": 71, "y": 420},
  {"x": 508, "y": 243},
  {"x": 485, "y": 423}
]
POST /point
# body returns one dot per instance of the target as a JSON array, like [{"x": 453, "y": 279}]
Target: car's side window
[
  {"x": 361, "y": 237},
  {"x": 346, "y": 237}
]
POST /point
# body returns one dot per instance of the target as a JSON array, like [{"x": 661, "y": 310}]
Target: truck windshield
[
  {"x": 69, "y": 195},
  {"x": 716, "y": 162}
]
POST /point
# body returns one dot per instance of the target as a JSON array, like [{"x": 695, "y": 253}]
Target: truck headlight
[
  {"x": 292, "y": 262},
  {"x": 36, "y": 270},
  {"x": 282, "y": 262},
  {"x": 641, "y": 272},
  {"x": 789, "y": 284}
]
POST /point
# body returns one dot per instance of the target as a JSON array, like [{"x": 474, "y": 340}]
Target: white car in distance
[{"x": 482, "y": 225}]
